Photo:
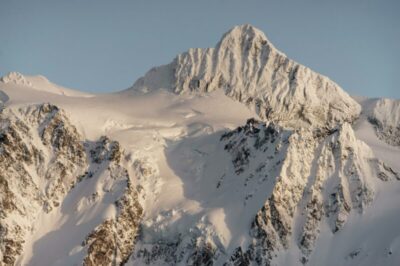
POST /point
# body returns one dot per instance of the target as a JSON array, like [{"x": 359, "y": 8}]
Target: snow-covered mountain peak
[
  {"x": 22, "y": 84},
  {"x": 20, "y": 79},
  {"x": 243, "y": 37},
  {"x": 16, "y": 78},
  {"x": 252, "y": 71}
]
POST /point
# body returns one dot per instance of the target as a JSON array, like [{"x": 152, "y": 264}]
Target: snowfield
[{"x": 233, "y": 155}]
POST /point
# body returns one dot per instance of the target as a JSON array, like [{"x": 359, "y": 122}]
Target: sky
[{"x": 104, "y": 46}]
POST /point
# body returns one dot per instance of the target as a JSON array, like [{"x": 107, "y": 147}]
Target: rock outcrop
[
  {"x": 319, "y": 175},
  {"x": 43, "y": 157},
  {"x": 315, "y": 179},
  {"x": 112, "y": 242}
]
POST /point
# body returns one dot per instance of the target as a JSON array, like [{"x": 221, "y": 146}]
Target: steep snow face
[{"x": 251, "y": 70}]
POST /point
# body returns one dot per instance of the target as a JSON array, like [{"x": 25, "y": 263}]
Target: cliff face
[
  {"x": 112, "y": 242},
  {"x": 43, "y": 158},
  {"x": 320, "y": 179},
  {"x": 309, "y": 180}
]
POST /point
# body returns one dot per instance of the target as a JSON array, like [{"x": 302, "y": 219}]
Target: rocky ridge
[
  {"x": 317, "y": 178},
  {"x": 251, "y": 70},
  {"x": 43, "y": 158},
  {"x": 112, "y": 242},
  {"x": 322, "y": 178}
]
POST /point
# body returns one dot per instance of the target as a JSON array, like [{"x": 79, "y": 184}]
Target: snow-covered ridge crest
[
  {"x": 44, "y": 166},
  {"x": 37, "y": 84},
  {"x": 251, "y": 70},
  {"x": 16, "y": 78}
]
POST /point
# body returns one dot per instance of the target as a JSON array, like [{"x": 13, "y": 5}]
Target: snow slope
[
  {"x": 195, "y": 171},
  {"x": 39, "y": 83}
]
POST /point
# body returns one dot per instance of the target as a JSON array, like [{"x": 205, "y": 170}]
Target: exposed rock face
[
  {"x": 251, "y": 70},
  {"x": 112, "y": 242},
  {"x": 320, "y": 176},
  {"x": 317, "y": 179},
  {"x": 385, "y": 116},
  {"x": 42, "y": 158},
  {"x": 189, "y": 249}
]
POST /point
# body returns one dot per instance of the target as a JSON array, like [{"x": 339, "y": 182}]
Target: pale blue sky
[{"x": 102, "y": 46}]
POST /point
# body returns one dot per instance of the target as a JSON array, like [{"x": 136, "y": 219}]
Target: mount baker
[{"x": 233, "y": 155}]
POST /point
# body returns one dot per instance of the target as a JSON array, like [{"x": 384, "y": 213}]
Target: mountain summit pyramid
[{"x": 248, "y": 68}]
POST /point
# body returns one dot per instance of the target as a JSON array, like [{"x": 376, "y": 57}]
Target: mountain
[
  {"x": 252, "y": 71},
  {"x": 233, "y": 155},
  {"x": 39, "y": 84}
]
